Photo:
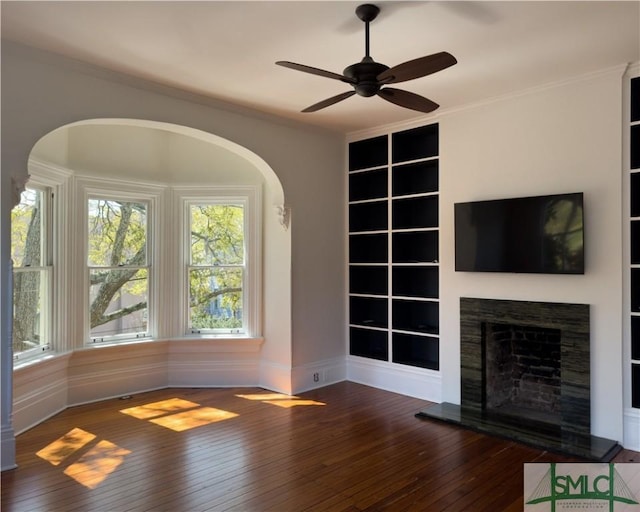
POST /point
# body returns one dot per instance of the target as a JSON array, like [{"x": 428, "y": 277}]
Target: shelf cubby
[
  {"x": 369, "y": 311},
  {"x": 415, "y": 316},
  {"x": 635, "y": 194},
  {"x": 368, "y": 185},
  {"x": 635, "y": 99},
  {"x": 635, "y": 385},
  {"x": 369, "y": 343},
  {"x": 369, "y": 280},
  {"x": 414, "y": 144},
  {"x": 368, "y": 248},
  {"x": 421, "y": 351},
  {"x": 635, "y": 242},
  {"x": 635, "y": 290},
  {"x": 415, "y": 246},
  {"x": 635, "y": 338},
  {"x": 415, "y": 282},
  {"x": 370, "y": 216},
  {"x": 415, "y": 212},
  {"x": 416, "y": 178},
  {"x": 635, "y": 147},
  {"x": 368, "y": 153}
]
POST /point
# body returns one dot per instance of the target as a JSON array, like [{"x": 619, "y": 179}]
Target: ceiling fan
[{"x": 370, "y": 78}]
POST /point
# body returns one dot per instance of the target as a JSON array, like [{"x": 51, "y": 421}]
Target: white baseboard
[
  {"x": 406, "y": 380},
  {"x": 94, "y": 386},
  {"x": 631, "y": 439},
  {"x": 318, "y": 374},
  {"x": 7, "y": 449},
  {"x": 39, "y": 391},
  {"x": 276, "y": 377},
  {"x": 38, "y": 405},
  {"x": 209, "y": 374}
]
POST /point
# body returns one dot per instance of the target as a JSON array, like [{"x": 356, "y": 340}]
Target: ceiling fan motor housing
[{"x": 365, "y": 74}]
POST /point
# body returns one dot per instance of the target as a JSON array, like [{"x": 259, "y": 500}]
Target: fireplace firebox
[{"x": 525, "y": 375}]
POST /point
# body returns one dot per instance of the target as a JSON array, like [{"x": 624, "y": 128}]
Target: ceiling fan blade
[
  {"x": 407, "y": 99},
  {"x": 315, "y": 71},
  {"x": 329, "y": 101},
  {"x": 417, "y": 68}
]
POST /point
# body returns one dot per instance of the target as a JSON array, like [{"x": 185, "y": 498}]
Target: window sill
[
  {"x": 41, "y": 358},
  {"x": 118, "y": 342}
]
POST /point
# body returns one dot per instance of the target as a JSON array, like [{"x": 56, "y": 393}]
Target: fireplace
[
  {"x": 523, "y": 370},
  {"x": 525, "y": 375}
]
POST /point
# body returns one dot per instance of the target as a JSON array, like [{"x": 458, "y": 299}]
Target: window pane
[
  {"x": 217, "y": 234},
  {"x": 118, "y": 301},
  {"x": 117, "y": 233},
  {"x": 215, "y": 298},
  {"x": 29, "y": 323},
  {"x": 26, "y": 230}
]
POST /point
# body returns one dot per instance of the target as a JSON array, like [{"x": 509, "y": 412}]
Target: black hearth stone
[{"x": 552, "y": 439}]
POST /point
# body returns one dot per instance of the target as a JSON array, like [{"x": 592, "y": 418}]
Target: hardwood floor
[{"x": 342, "y": 448}]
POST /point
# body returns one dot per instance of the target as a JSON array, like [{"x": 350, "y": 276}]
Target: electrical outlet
[{"x": 316, "y": 377}]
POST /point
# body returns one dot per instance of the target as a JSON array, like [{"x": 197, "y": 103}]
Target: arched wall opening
[{"x": 168, "y": 155}]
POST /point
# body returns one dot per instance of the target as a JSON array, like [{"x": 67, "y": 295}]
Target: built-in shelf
[
  {"x": 394, "y": 248},
  {"x": 634, "y": 236}
]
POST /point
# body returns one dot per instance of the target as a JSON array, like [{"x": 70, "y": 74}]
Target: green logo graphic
[{"x": 608, "y": 486}]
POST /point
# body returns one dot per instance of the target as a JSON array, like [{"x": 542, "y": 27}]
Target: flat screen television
[{"x": 543, "y": 234}]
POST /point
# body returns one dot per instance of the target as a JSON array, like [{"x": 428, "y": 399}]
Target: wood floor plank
[{"x": 342, "y": 448}]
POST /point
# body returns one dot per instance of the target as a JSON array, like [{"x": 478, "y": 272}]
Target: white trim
[
  {"x": 631, "y": 427},
  {"x": 407, "y": 380}
]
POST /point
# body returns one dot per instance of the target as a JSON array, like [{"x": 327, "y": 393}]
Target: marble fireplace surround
[
  {"x": 570, "y": 433},
  {"x": 572, "y": 320}
]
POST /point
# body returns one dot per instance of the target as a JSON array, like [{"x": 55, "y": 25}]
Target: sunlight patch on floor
[
  {"x": 192, "y": 419},
  {"x": 65, "y": 446},
  {"x": 178, "y": 414},
  {"x": 280, "y": 399},
  {"x": 155, "y": 409},
  {"x": 93, "y": 466},
  {"x": 97, "y": 464}
]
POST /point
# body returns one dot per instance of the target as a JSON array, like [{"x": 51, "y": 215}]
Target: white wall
[{"x": 565, "y": 138}]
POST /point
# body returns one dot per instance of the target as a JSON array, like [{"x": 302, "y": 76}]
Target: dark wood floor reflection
[{"x": 345, "y": 447}]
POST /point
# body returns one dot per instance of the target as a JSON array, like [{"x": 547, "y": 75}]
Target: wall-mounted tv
[{"x": 543, "y": 234}]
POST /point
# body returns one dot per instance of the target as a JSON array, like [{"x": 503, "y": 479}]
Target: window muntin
[
  {"x": 32, "y": 260},
  {"x": 216, "y": 270},
  {"x": 118, "y": 268}
]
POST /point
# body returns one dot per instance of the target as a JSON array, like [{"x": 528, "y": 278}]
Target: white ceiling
[{"x": 227, "y": 50}]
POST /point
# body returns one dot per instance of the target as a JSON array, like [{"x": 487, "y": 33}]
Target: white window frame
[
  {"x": 250, "y": 197},
  {"x": 114, "y": 190},
  {"x": 45, "y": 269}
]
